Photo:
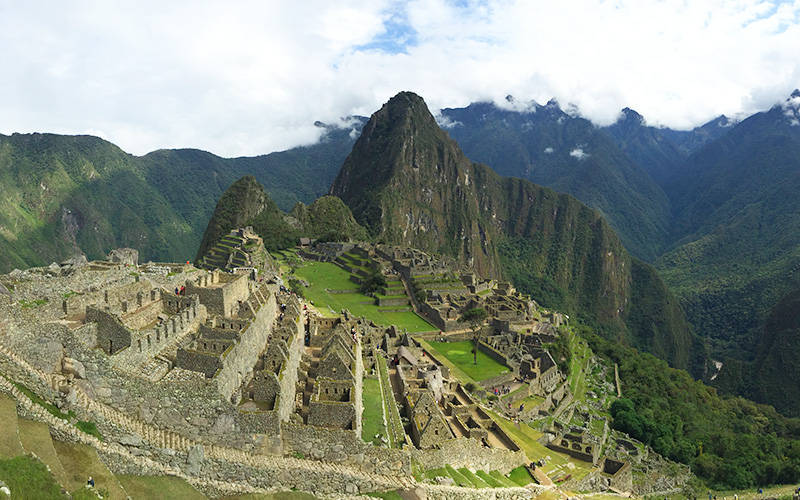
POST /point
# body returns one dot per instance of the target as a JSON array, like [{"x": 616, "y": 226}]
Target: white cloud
[
  {"x": 548, "y": 150},
  {"x": 578, "y": 153},
  {"x": 251, "y": 77}
]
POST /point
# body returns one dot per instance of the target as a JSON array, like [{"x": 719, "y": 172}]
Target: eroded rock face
[{"x": 127, "y": 256}]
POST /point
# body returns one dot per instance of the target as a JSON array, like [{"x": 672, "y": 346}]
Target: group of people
[{"x": 180, "y": 291}]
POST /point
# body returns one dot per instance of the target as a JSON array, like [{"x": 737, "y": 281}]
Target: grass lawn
[
  {"x": 521, "y": 476},
  {"x": 159, "y": 487},
  {"x": 527, "y": 438},
  {"x": 324, "y": 276},
  {"x": 372, "y": 418},
  {"x": 460, "y": 354},
  {"x": 81, "y": 461},
  {"x": 35, "y": 437},
  {"x": 579, "y": 360},
  {"x": 475, "y": 480},
  {"x": 9, "y": 438},
  {"x": 29, "y": 478}
]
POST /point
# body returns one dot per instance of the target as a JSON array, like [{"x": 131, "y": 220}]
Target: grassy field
[
  {"x": 527, "y": 438},
  {"x": 35, "y": 437},
  {"x": 29, "y": 478},
  {"x": 80, "y": 462},
  {"x": 159, "y": 487},
  {"x": 9, "y": 437},
  {"x": 460, "y": 354},
  {"x": 372, "y": 418},
  {"x": 324, "y": 276},
  {"x": 579, "y": 361}
]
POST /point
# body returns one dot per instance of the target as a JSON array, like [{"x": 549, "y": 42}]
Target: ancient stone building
[{"x": 428, "y": 425}]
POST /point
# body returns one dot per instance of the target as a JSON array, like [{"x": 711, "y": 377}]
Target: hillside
[
  {"x": 246, "y": 203},
  {"x": 737, "y": 230},
  {"x": 80, "y": 194},
  {"x": 408, "y": 183},
  {"x": 569, "y": 154},
  {"x": 659, "y": 150}
]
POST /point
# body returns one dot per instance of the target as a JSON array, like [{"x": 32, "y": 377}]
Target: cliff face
[{"x": 410, "y": 184}]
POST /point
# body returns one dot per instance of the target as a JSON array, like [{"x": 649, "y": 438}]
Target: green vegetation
[
  {"x": 28, "y": 304},
  {"x": 372, "y": 418},
  {"x": 460, "y": 354},
  {"x": 521, "y": 476},
  {"x": 326, "y": 278},
  {"x": 89, "y": 428},
  {"x": 396, "y": 434},
  {"x": 159, "y": 487},
  {"x": 475, "y": 317},
  {"x": 728, "y": 442},
  {"x": 28, "y": 478}
]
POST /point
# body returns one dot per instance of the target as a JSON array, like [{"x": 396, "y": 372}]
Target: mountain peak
[
  {"x": 795, "y": 93},
  {"x": 629, "y": 114}
]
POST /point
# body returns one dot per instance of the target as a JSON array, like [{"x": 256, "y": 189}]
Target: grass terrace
[
  {"x": 460, "y": 354},
  {"x": 372, "y": 418},
  {"x": 325, "y": 277}
]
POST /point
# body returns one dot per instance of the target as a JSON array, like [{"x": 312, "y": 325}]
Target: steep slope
[
  {"x": 64, "y": 195},
  {"x": 409, "y": 183},
  {"x": 738, "y": 229},
  {"x": 246, "y": 203},
  {"x": 239, "y": 204},
  {"x": 660, "y": 151},
  {"x": 567, "y": 153}
]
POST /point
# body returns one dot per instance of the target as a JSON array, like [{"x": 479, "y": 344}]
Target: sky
[{"x": 250, "y": 77}]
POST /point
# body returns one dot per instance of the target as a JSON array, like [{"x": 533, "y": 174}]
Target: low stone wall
[{"x": 288, "y": 376}]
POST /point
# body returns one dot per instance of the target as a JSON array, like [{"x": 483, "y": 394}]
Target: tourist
[
  {"x": 177, "y": 292},
  {"x": 90, "y": 482}
]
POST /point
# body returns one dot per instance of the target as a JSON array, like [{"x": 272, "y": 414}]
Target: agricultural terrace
[
  {"x": 460, "y": 354},
  {"x": 331, "y": 290}
]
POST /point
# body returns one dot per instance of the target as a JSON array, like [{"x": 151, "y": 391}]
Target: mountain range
[{"x": 711, "y": 208}]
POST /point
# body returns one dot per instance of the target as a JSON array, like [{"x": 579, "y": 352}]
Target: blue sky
[{"x": 252, "y": 76}]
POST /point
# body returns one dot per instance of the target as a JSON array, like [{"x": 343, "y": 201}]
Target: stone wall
[
  {"x": 220, "y": 293},
  {"x": 335, "y": 414},
  {"x": 288, "y": 376},
  {"x": 241, "y": 359},
  {"x": 112, "y": 335},
  {"x": 197, "y": 361}
]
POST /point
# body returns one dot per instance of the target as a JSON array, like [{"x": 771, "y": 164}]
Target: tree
[{"x": 475, "y": 317}]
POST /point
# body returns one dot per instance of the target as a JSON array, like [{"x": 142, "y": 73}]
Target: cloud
[
  {"x": 578, "y": 153},
  {"x": 251, "y": 77},
  {"x": 548, "y": 150}
]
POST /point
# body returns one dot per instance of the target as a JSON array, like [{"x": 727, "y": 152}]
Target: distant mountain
[
  {"x": 567, "y": 153},
  {"x": 64, "y": 195},
  {"x": 737, "y": 229},
  {"x": 409, "y": 183},
  {"x": 660, "y": 151}
]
